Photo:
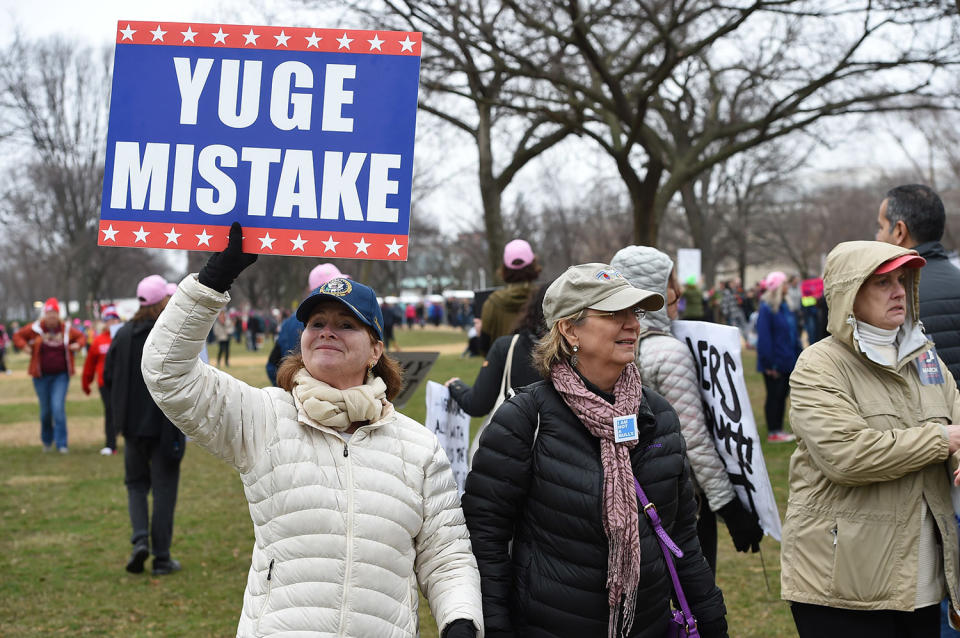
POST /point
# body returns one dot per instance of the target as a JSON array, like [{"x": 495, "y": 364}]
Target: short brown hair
[
  {"x": 553, "y": 348},
  {"x": 386, "y": 368}
]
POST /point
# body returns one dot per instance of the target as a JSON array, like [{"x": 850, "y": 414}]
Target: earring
[{"x": 573, "y": 358}]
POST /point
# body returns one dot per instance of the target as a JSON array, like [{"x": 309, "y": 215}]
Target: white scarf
[
  {"x": 878, "y": 344},
  {"x": 322, "y": 404}
]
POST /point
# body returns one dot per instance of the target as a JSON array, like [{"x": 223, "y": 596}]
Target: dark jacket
[
  {"x": 778, "y": 342},
  {"x": 134, "y": 411},
  {"x": 546, "y": 495},
  {"x": 479, "y": 400},
  {"x": 940, "y": 303}
]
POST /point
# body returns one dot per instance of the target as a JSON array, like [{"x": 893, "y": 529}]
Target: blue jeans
[{"x": 52, "y": 391}]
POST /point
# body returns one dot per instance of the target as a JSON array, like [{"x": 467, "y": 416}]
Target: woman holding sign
[
  {"x": 353, "y": 504},
  {"x": 869, "y": 539},
  {"x": 553, "y": 501}
]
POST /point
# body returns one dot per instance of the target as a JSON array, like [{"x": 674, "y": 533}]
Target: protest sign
[
  {"x": 304, "y": 136},
  {"x": 415, "y": 366},
  {"x": 716, "y": 352},
  {"x": 452, "y": 427},
  {"x": 688, "y": 265}
]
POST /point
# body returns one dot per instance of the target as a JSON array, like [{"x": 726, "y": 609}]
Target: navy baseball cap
[{"x": 360, "y": 299}]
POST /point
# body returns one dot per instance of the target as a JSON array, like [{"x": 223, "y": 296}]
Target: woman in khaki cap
[{"x": 563, "y": 546}]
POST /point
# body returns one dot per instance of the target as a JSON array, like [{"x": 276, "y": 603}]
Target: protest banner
[
  {"x": 415, "y": 366},
  {"x": 304, "y": 136},
  {"x": 716, "y": 351},
  {"x": 452, "y": 427},
  {"x": 688, "y": 265}
]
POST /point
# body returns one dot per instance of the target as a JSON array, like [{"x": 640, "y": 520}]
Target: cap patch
[
  {"x": 337, "y": 287},
  {"x": 608, "y": 275}
]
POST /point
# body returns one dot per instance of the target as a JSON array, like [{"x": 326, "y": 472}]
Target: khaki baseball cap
[{"x": 597, "y": 286}]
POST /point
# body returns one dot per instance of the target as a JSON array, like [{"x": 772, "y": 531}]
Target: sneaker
[
  {"x": 138, "y": 557},
  {"x": 107, "y": 451},
  {"x": 47, "y": 448},
  {"x": 62, "y": 450},
  {"x": 780, "y": 437},
  {"x": 162, "y": 567}
]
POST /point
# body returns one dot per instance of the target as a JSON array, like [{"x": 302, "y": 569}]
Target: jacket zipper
[
  {"x": 266, "y": 601},
  {"x": 349, "y": 557}
]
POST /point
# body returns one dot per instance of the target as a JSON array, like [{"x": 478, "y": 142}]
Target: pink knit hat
[
  {"x": 151, "y": 290},
  {"x": 774, "y": 280}
]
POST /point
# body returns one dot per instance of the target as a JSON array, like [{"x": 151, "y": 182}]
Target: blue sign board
[{"x": 304, "y": 136}]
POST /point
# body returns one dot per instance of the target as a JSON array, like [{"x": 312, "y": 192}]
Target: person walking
[
  {"x": 154, "y": 447},
  {"x": 4, "y": 339},
  {"x": 52, "y": 345},
  {"x": 667, "y": 367},
  {"x": 869, "y": 539},
  {"x": 563, "y": 546},
  {"x": 93, "y": 368},
  {"x": 354, "y": 505},
  {"x": 222, "y": 328},
  {"x": 778, "y": 346}
]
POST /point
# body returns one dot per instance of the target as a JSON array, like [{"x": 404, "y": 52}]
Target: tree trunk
[
  {"x": 491, "y": 193},
  {"x": 643, "y": 196},
  {"x": 699, "y": 231}
]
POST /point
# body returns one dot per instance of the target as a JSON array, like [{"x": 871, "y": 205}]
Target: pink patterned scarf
[{"x": 620, "y": 522}]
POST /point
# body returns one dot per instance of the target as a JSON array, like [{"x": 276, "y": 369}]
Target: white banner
[
  {"x": 452, "y": 427},
  {"x": 688, "y": 265},
  {"x": 716, "y": 352}
]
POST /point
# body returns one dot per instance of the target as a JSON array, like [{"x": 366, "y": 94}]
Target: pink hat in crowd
[
  {"x": 51, "y": 305},
  {"x": 774, "y": 280},
  {"x": 171, "y": 288},
  {"x": 517, "y": 254},
  {"x": 151, "y": 290},
  {"x": 322, "y": 274},
  {"x": 109, "y": 312}
]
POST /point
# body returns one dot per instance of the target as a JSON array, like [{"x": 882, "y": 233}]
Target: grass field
[{"x": 64, "y": 531}]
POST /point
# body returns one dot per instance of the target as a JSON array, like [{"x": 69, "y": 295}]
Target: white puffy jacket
[
  {"x": 667, "y": 367},
  {"x": 343, "y": 533}
]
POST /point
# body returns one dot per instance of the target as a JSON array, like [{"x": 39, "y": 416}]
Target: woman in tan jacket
[{"x": 869, "y": 541}]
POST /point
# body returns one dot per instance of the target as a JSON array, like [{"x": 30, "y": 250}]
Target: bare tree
[
  {"x": 735, "y": 74},
  {"x": 467, "y": 82}
]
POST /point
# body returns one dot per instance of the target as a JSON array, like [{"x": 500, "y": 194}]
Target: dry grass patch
[{"x": 81, "y": 431}]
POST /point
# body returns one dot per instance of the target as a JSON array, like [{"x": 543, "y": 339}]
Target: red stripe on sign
[
  {"x": 239, "y": 36},
  {"x": 263, "y": 241}
]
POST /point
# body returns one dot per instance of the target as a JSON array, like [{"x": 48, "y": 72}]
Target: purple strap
[{"x": 667, "y": 546}]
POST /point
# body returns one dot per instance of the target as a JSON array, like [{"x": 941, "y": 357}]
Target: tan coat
[{"x": 870, "y": 444}]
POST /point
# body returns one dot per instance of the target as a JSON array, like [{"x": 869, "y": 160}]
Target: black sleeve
[
  {"x": 275, "y": 354},
  {"x": 493, "y": 500},
  {"x": 479, "y": 400}
]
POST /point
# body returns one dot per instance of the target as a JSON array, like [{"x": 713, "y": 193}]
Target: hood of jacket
[
  {"x": 649, "y": 269},
  {"x": 848, "y": 266}
]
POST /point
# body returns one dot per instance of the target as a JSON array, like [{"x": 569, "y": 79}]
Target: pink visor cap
[
  {"x": 151, "y": 290},
  {"x": 906, "y": 261},
  {"x": 517, "y": 254}
]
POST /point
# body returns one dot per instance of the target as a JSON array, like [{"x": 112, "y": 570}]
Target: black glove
[
  {"x": 461, "y": 628},
  {"x": 744, "y": 526},
  {"x": 223, "y": 267}
]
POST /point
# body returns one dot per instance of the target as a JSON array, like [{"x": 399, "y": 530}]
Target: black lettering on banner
[
  {"x": 735, "y": 444},
  {"x": 730, "y": 366}
]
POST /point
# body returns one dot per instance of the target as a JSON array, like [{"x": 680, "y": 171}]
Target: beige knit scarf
[{"x": 335, "y": 408}]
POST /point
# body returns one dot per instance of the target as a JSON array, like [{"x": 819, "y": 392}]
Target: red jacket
[
  {"x": 96, "y": 356},
  {"x": 32, "y": 335}
]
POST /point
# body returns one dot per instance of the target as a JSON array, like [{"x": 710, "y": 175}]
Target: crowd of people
[{"x": 595, "y": 486}]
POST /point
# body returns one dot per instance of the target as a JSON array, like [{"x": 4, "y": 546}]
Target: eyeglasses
[{"x": 621, "y": 315}]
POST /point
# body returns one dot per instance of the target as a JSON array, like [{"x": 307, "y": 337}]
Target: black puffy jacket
[
  {"x": 940, "y": 304},
  {"x": 546, "y": 495}
]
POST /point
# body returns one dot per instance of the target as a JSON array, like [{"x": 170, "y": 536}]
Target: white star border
[
  {"x": 268, "y": 37},
  {"x": 270, "y": 241}
]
